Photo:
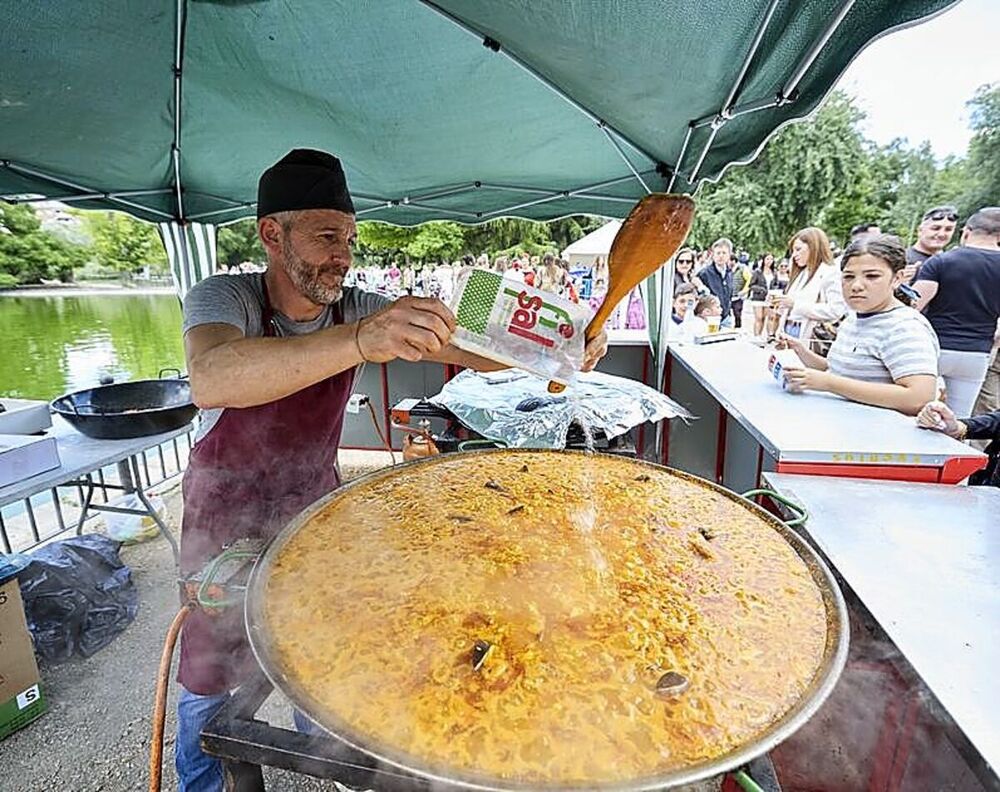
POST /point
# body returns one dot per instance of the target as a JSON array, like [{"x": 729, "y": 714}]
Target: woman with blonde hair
[{"x": 813, "y": 295}]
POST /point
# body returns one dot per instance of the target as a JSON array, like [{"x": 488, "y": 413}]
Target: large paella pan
[{"x": 545, "y": 619}]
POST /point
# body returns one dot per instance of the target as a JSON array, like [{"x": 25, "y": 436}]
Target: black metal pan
[{"x": 129, "y": 409}]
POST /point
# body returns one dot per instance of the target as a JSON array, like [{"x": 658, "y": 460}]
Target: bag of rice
[{"x": 515, "y": 324}]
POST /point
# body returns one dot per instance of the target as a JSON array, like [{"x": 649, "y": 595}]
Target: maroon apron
[{"x": 255, "y": 469}]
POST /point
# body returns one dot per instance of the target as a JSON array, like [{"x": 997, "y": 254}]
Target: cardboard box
[
  {"x": 21, "y": 699},
  {"x": 24, "y": 416},
  {"x": 22, "y": 457}
]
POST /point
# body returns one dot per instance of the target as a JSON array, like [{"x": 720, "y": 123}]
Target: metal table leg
[
  {"x": 131, "y": 484},
  {"x": 141, "y": 494},
  {"x": 85, "y": 506}
]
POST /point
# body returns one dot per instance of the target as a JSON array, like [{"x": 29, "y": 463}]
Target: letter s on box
[{"x": 531, "y": 303}]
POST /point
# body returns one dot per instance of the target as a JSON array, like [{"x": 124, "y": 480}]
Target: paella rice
[{"x": 546, "y": 619}]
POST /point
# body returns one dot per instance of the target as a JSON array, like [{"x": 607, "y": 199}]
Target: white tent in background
[
  {"x": 583, "y": 254},
  {"x": 597, "y": 243}
]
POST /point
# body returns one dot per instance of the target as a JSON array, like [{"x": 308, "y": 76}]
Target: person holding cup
[
  {"x": 707, "y": 315},
  {"x": 813, "y": 294}
]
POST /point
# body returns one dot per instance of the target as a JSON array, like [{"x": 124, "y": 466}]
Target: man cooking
[{"x": 272, "y": 359}]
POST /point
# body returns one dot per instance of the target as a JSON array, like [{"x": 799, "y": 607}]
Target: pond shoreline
[{"x": 86, "y": 290}]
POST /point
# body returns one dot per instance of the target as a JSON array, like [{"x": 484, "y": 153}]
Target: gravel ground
[{"x": 95, "y": 735}]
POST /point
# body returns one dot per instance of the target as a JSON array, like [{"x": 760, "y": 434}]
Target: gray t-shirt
[
  {"x": 884, "y": 347},
  {"x": 238, "y": 300}
]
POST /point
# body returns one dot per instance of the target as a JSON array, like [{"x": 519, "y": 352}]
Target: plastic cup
[{"x": 713, "y": 322}]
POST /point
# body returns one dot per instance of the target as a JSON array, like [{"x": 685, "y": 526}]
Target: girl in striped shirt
[{"x": 886, "y": 353}]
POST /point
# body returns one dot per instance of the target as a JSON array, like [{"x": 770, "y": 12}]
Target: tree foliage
[
  {"x": 124, "y": 244},
  {"x": 28, "y": 254},
  {"x": 239, "y": 242},
  {"x": 824, "y": 172},
  {"x": 983, "y": 163}
]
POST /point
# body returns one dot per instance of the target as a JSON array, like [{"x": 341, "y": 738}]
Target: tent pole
[
  {"x": 625, "y": 159},
  {"x": 680, "y": 159},
  {"x": 789, "y": 88},
  {"x": 547, "y": 195},
  {"x": 751, "y": 54},
  {"x": 442, "y": 193},
  {"x": 93, "y": 196},
  {"x": 175, "y": 146},
  {"x": 216, "y": 212},
  {"x": 787, "y": 92},
  {"x": 25, "y": 171},
  {"x": 720, "y": 118},
  {"x": 495, "y": 46}
]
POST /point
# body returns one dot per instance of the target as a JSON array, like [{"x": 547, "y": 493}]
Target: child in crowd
[
  {"x": 886, "y": 353},
  {"x": 706, "y": 307},
  {"x": 684, "y": 300}
]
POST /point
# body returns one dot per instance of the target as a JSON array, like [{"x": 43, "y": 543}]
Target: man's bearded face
[{"x": 317, "y": 252}]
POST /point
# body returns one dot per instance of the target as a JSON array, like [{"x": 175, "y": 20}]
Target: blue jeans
[{"x": 196, "y": 771}]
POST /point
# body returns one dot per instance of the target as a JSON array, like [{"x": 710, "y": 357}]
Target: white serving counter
[{"x": 748, "y": 424}]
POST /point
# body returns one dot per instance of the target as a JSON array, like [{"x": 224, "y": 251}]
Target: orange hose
[{"x": 160, "y": 707}]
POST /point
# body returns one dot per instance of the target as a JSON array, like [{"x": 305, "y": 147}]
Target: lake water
[{"x": 50, "y": 345}]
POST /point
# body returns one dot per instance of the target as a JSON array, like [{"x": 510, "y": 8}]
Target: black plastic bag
[{"x": 78, "y": 595}]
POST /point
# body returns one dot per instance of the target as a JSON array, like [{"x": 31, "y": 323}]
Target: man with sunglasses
[
  {"x": 935, "y": 231},
  {"x": 960, "y": 296}
]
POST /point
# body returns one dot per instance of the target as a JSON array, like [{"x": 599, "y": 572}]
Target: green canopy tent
[{"x": 440, "y": 109}]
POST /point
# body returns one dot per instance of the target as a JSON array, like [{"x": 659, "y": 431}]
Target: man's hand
[
  {"x": 939, "y": 416},
  {"x": 803, "y": 379},
  {"x": 908, "y": 272},
  {"x": 596, "y": 348},
  {"x": 412, "y": 328}
]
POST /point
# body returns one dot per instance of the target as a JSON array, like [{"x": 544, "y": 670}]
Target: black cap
[{"x": 303, "y": 179}]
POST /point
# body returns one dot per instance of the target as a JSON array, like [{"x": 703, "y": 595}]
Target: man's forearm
[{"x": 246, "y": 372}]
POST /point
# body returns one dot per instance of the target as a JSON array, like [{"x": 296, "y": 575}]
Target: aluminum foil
[{"x": 517, "y": 408}]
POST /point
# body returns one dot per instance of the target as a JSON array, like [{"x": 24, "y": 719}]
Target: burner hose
[
  {"x": 746, "y": 782},
  {"x": 160, "y": 707}
]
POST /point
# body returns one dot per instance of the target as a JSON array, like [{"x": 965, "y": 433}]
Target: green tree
[
  {"x": 124, "y": 244},
  {"x": 239, "y": 242},
  {"x": 807, "y": 171},
  {"x": 983, "y": 165},
  {"x": 507, "y": 234},
  {"x": 434, "y": 241},
  {"x": 28, "y": 254}
]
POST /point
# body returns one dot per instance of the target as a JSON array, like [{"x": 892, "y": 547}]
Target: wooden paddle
[{"x": 650, "y": 235}]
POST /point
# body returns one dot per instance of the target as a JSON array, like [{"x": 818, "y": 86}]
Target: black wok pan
[{"x": 129, "y": 409}]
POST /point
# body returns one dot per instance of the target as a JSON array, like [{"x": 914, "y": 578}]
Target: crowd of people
[
  {"x": 912, "y": 329},
  {"x": 548, "y": 272}
]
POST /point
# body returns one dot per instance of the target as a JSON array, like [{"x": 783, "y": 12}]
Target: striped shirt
[{"x": 884, "y": 347}]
